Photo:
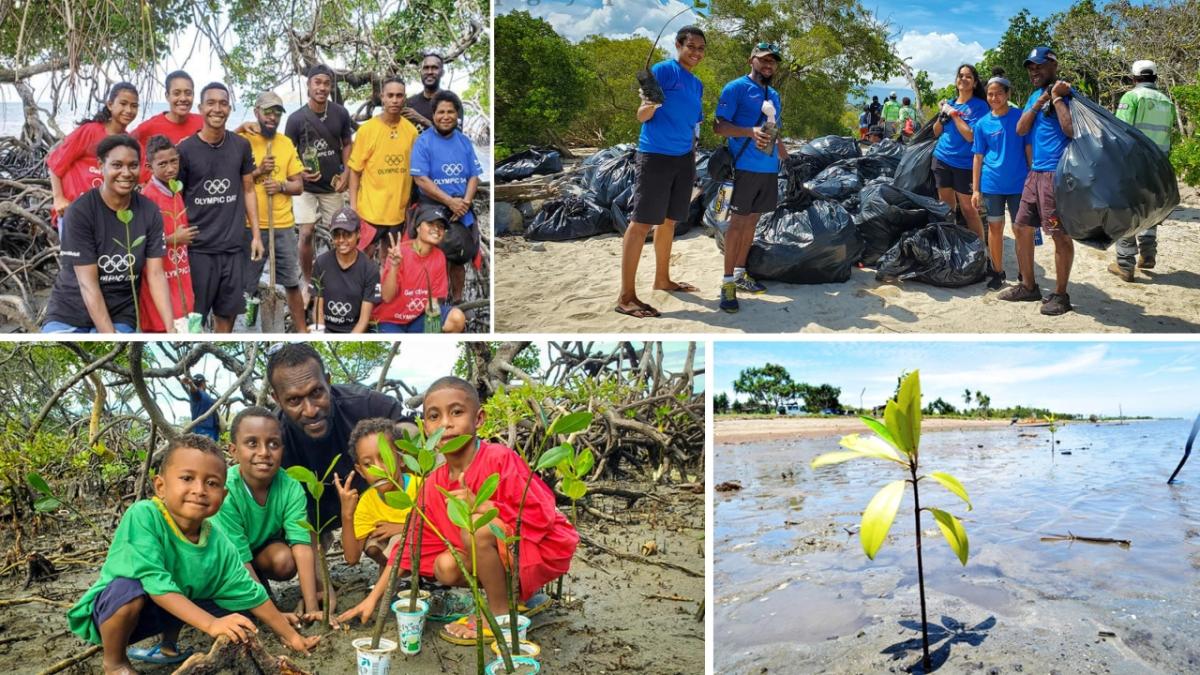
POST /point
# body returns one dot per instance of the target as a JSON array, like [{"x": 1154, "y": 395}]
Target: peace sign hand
[
  {"x": 395, "y": 250},
  {"x": 346, "y": 494}
]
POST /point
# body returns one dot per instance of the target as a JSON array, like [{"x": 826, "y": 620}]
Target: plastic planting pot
[
  {"x": 195, "y": 323},
  {"x": 530, "y": 649},
  {"x": 522, "y": 627},
  {"x": 373, "y": 661},
  {"x": 410, "y": 625},
  {"x": 523, "y": 664}
]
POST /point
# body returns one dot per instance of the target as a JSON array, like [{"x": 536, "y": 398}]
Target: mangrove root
[{"x": 247, "y": 658}]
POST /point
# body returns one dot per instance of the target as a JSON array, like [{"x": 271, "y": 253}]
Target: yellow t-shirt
[
  {"x": 383, "y": 155},
  {"x": 287, "y": 163},
  {"x": 372, "y": 510}
]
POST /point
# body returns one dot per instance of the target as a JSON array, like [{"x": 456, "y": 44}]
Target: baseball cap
[
  {"x": 268, "y": 100},
  {"x": 320, "y": 69},
  {"x": 1041, "y": 55},
  {"x": 198, "y": 378},
  {"x": 345, "y": 219},
  {"x": 764, "y": 48},
  {"x": 1144, "y": 67},
  {"x": 430, "y": 212}
]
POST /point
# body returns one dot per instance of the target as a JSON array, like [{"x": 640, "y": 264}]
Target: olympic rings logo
[
  {"x": 320, "y": 145},
  {"x": 177, "y": 255},
  {"x": 216, "y": 186},
  {"x": 455, "y": 169},
  {"x": 339, "y": 310},
  {"x": 117, "y": 263},
  {"x": 393, "y": 160},
  {"x": 416, "y": 305}
]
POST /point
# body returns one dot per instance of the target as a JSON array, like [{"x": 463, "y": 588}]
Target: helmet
[{"x": 1144, "y": 67}]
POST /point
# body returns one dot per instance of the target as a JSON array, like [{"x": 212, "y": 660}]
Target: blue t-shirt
[
  {"x": 201, "y": 402},
  {"x": 1047, "y": 136},
  {"x": 449, "y": 161},
  {"x": 1004, "y": 165},
  {"x": 952, "y": 149},
  {"x": 741, "y": 105},
  {"x": 672, "y": 130}
]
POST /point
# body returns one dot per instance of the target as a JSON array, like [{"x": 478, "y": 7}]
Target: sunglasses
[{"x": 768, "y": 46}]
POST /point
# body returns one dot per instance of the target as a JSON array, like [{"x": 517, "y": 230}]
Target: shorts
[
  {"x": 662, "y": 187},
  {"x": 753, "y": 192},
  {"x": 1038, "y": 206},
  {"x": 287, "y": 260},
  {"x": 385, "y": 546},
  {"x": 310, "y": 207},
  {"x": 946, "y": 176},
  {"x": 369, "y": 233},
  {"x": 994, "y": 206},
  {"x": 417, "y": 325},
  {"x": 460, "y": 243},
  {"x": 219, "y": 282},
  {"x": 60, "y": 327},
  {"x": 153, "y": 620}
]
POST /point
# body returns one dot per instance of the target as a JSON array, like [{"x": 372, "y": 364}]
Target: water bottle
[
  {"x": 1037, "y": 236},
  {"x": 724, "y": 194},
  {"x": 252, "y": 303}
]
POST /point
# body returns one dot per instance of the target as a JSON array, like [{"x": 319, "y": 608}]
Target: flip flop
[
  {"x": 643, "y": 311},
  {"x": 468, "y": 621},
  {"x": 156, "y": 656},
  {"x": 682, "y": 287},
  {"x": 537, "y": 603}
]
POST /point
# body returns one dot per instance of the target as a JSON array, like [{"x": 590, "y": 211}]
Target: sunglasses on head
[{"x": 769, "y": 46}]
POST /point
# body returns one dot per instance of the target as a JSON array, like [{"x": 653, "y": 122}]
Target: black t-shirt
[
  {"x": 303, "y": 132},
  {"x": 423, "y": 106},
  {"x": 95, "y": 236},
  {"x": 212, "y": 191},
  {"x": 345, "y": 290},
  {"x": 350, "y": 403}
]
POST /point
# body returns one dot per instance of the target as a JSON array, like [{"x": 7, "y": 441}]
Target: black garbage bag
[
  {"x": 804, "y": 241},
  {"x": 622, "y": 213},
  {"x": 569, "y": 218},
  {"x": 801, "y": 168},
  {"x": 612, "y": 177},
  {"x": 886, "y": 212},
  {"x": 1112, "y": 181},
  {"x": 870, "y": 167},
  {"x": 534, "y": 161},
  {"x": 885, "y": 148},
  {"x": 942, "y": 254},
  {"x": 915, "y": 172},
  {"x": 836, "y": 182},
  {"x": 588, "y": 166},
  {"x": 826, "y": 150}
]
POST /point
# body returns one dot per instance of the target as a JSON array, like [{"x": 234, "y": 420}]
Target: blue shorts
[
  {"x": 153, "y": 620},
  {"x": 994, "y": 206},
  {"x": 60, "y": 327},
  {"x": 417, "y": 325}
]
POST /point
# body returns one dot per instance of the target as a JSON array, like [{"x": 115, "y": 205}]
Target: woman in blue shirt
[
  {"x": 1002, "y": 157},
  {"x": 665, "y": 170},
  {"x": 952, "y": 157}
]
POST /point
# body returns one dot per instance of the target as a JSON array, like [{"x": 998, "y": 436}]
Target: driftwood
[
  {"x": 70, "y": 661},
  {"x": 248, "y": 658},
  {"x": 1123, "y": 543}
]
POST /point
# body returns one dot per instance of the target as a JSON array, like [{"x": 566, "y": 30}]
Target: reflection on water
[{"x": 788, "y": 555}]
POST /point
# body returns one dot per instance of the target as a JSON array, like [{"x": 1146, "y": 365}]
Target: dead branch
[
  {"x": 117, "y": 350},
  {"x": 68, "y": 662}
]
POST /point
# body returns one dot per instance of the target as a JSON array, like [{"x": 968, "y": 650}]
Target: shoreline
[{"x": 754, "y": 429}]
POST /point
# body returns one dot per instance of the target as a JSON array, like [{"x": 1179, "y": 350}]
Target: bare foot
[{"x": 123, "y": 668}]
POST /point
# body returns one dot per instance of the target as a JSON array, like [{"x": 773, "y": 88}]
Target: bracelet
[{"x": 1055, "y": 100}]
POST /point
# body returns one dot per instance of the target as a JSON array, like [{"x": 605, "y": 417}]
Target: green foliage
[
  {"x": 1185, "y": 151},
  {"x": 528, "y": 359},
  {"x": 612, "y": 92},
  {"x": 925, "y": 90},
  {"x": 768, "y": 387},
  {"x": 49, "y": 502},
  {"x": 1024, "y": 32},
  {"x": 720, "y": 403}
]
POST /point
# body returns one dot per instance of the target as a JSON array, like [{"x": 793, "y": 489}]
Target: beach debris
[
  {"x": 1070, "y": 536},
  {"x": 728, "y": 486},
  {"x": 1107, "y": 634},
  {"x": 1064, "y": 452},
  {"x": 1187, "y": 449},
  {"x": 247, "y": 657},
  {"x": 649, "y": 547}
]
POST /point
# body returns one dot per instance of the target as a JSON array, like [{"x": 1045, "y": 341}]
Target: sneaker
[
  {"x": 996, "y": 280},
  {"x": 729, "y": 301},
  {"x": 1056, "y": 303},
  {"x": 1145, "y": 262},
  {"x": 749, "y": 284},
  {"x": 1126, "y": 275},
  {"x": 1020, "y": 293}
]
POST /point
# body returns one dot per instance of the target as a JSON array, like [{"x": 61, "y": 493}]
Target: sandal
[
  {"x": 682, "y": 287},
  {"x": 643, "y": 311},
  {"x": 469, "y": 622},
  {"x": 536, "y": 604},
  {"x": 156, "y": 656}
]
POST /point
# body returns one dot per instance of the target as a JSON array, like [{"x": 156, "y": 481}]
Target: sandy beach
[
  {"x": 750, "y": 429},
  {"x": 572, "y": 287}
]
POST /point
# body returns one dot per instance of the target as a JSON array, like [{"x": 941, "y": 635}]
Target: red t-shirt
[
  {"x": 175, "y": 262},
  {"x": 548, "y": 540},
  {"x": 412, "y": 294},
  {"x": 162, "y": 125},
  {"x": 74, "y": 160}
]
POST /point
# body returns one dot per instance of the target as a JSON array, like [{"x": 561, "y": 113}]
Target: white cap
[
  {"x": 1140, "y": 67},
  {"x": 892, "y": 94}
]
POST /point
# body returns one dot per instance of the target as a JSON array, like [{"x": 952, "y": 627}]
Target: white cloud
[
  {"x": 613, "y": 18},
  {"x": 939, "y": 54}
]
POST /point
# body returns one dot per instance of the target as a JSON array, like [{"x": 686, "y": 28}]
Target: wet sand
[{"x": 748, "y": 429}]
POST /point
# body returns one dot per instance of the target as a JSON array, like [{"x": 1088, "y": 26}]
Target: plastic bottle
[
  {"x": 1037, "y": 236},
  {"x": 724, "y": 194},
  {"x": 252, "y": 303}
]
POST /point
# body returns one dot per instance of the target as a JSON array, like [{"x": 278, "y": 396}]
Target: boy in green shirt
[
  {"x": 166, "y": 567},
  {"x": 264, "y": 506}
]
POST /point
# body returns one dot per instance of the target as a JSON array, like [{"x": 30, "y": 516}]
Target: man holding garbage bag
[
  {"x": 1048, "y": 117},
  {"x": 748, "y": 115},
  {"x": 1150, "y": 111}
]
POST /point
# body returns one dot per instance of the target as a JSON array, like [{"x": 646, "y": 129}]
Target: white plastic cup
[
  {"x": 522, "y": 627},
  {"x": 530, "y": 649},
  {"x": 180, "y": 324},
  {"x": 497, "y": 667},
  {"x": 410, "y": 625},
  {"x": 195, "y": 323},
  {"x": 374, "y": 661}
]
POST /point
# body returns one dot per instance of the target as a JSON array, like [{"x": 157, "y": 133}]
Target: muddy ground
[{"x": 616, "y": 619}]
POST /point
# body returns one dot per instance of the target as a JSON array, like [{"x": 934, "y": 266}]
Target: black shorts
[
  {"x": 460, "y": 243},
  {"x": 753, "y": 192},
  {"x": 663, "y": 187},
  {"x": 219, "y": 282},
  {"x": 946, "y": 176}
]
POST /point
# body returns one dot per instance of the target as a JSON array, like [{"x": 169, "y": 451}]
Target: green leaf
[
  {"x": 398, "y": 499},
  {"x": 137, "y": 242},
  {"x": 413, "y": 465},
  {"x": 486, "y": 490},
  {"x": 458, "y": 511},
  {"x": 487, "y": 517},
  {"x": 45, "y": 504},
  {"x": 570, "y": 423},
  {"x": 871, "y": 446},
  {"x": 175, "y": 184},
  {"x": 584, "y": 462},
  {"x": 956, "y": 535},
  {"x": 378, "y": 472},
  {"x": 302, "y": 474},
  {"x": 554, "y": 456},
  {"x": 431, "y": 442},
  {"x": 406, "y": 445},
  {"x": 455, "y": 444},
  {"x": 881, "y": 431},
  {"x": 910, "y": 404},
  {"x": 896, "y": 423},
  {"x": 38, "y": 483},
  {"x": 499, "y": 533},
  {"x": 878, "y": 516},
  {"x": 831, "y": 458},
  {"x": 574, "y": 488},
  {"x": 308, "y": 526},
  {"x": 951, "y": 483},
  {"x": 125, "y": 216},
  {"x": 427, "y": 460},
  {"x": 332, "y": 463},
  {"x": 385, "y": 452},
  {"x": 329, "y": 521}
]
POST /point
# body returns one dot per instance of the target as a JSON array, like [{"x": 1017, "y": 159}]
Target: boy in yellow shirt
[
  {"x": 380, "y": 183},
  {"x": 378, "y": 529}
]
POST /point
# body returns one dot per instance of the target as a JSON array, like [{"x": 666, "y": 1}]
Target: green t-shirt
[
  {"x": 149, "y": 547},
  {"x": 249, "y": 525}
]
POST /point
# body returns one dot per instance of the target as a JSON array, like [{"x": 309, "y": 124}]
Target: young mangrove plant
[
  {"x": 126, "y": 217},
  {"x": 1053, "y": 427},
  {"x": 897, "y": 439},
  {"x": 51, "y": 502},
  {"x": 316, "y": 488}
]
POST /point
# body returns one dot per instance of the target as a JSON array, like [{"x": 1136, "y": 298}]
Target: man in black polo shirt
[
  {"x": 216, "y": 169},
  {"x": 418, "y": 109}
]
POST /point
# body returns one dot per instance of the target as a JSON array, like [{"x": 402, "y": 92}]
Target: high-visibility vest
[{"x": 1149, "y": 111}]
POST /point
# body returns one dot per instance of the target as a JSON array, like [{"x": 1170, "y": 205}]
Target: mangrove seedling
[
  {"x": 1053, "y": 427},
  {"x": 316, "y": 488},
  {"x": 897, "y": 439},
  {"x": 126, "y": 217},
  {"x": 52, "y": 502},
  {"x": 176, "y": 186},
  {"x": 573, "y": 470}
]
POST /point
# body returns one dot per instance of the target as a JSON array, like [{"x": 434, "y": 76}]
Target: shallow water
[{"x": 808, "y": 581}]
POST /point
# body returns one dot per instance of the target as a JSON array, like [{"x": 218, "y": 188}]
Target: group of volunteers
[
  {"x": 167, "y": 223},
  {"x": 204, "y": 549},
  {"x": 988, "y": 157}
]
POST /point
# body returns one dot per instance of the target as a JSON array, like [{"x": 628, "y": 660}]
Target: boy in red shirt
[
  {"x": 547, "y": 538},
  {"x": 413, "y": 268},
  {"x": 163, "y": 160}
]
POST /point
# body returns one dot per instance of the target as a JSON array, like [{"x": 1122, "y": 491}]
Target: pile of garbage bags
[
  {"x": 534, "y": 161},
  {"x": 942, "y": 254}
]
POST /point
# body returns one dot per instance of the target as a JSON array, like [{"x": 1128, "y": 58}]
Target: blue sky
[{"x": 1144, "y": 378}]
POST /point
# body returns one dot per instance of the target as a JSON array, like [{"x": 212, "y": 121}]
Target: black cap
[
  {"x": 320, "y": 69},
  {"x": 198, "y": 378},
  {"x": 345, "y": 219},
  {"x": 430, "y": 212}
]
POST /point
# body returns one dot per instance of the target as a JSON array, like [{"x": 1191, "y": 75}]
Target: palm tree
[{"x": 966, "y": 399}]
